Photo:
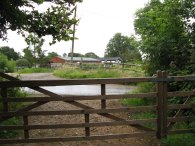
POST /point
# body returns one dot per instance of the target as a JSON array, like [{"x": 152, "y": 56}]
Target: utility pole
[{"x": 75, "y": 13}]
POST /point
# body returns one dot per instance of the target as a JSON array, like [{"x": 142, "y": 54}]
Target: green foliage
[
  {"x": 33, "y": 53},
  {"x": 75, "y": 54},
  {"x": 91, "y": 55},
  {"x": 132, "y": 102},
  {"x": 35, "y": 70},
  {"x": 12, "y": 92},
  {"x": 167, "y": 34},
  {"x": 124, "y": 47},
  {"x": 141, "y": 88},
  {"x": 9, "y": 52},
  {"x": 180, "y": 140},
  {"x": 10, "y": 133},
  {"x": 52, "y": 54},
  {"x": 6, "y": 65},
  {"x": 22, "y": 63},
  {"x": 22, "y": 16}
]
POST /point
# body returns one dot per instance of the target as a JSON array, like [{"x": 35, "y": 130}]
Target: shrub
[
  {"x": 12, "y": 92},
  {"x": 22, "y": 63},
  {"x": 6, "y": 65}
]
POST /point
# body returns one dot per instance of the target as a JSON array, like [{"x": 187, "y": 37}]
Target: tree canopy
[
  {"x": 124, "y": 47},
  {"x": 9, "y": 52},
  {"x": 167, "y": 33},
  {"x": 91, "y": 55},
  {"x": 22, "y": 16},
  {"x": 33, "y": 53},
  {"x": 75, "y": 54}
]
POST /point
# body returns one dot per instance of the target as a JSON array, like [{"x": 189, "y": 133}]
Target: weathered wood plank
[
  {"x": 4, "y": 99},
  {"x": 76, "y": 125},
  {"x": 34, "y": 83},
  {"x": 103, "y": 92},
  {"x": 61, "y": 139},
  {"x": 181, "y": 93},
  {"x": 76, "y": 97},
  {"x": 181, "y": 119},
  {"x": 180, "y": 106},
  {"x": 84, "y": 111},
  {"x": 181, "y": 131},
  {"x": 70, "y": 102}
]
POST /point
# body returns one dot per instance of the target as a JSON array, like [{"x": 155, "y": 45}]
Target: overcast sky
[{"x": 99, "y": 21}]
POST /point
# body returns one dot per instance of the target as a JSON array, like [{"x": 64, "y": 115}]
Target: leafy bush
[
  {"x": 6, "y": 65},
  {"x": 141, "y": 88},
  {"x": 12, "y": 92},
  {"x": 22, "y": 63},
  {"x": 180, "y": 140}
]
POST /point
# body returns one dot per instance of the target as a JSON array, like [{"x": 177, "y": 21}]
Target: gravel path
[{"x": 143, "y": 141}]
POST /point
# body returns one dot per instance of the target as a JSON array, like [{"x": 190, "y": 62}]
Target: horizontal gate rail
[
  {"x": 35, "y": 83},
  {"x": 77, "y": 125},
  {"x": 76, "y": 97},
  {"x": 61, "y": 139},
  {"x": 162, "y": 121},
  {"x": 86, "y": 111},
  {"x": 94, "y": 111}
]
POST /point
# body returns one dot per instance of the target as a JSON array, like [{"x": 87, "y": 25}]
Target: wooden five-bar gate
[{"x": 163, "y": 122}]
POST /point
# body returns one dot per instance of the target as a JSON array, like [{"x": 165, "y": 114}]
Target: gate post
[
  {"x": 159, "y": 101},
  {"x": 165, "y": 104},
  {"x": 162, "y": 105}
]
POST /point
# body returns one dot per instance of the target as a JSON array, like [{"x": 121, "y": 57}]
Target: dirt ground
[{"x": 58, "y": 119}]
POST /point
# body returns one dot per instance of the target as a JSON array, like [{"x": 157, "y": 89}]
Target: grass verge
[
  {"x": 34, "y": 70},
  {"x": 73, "y": 72}
]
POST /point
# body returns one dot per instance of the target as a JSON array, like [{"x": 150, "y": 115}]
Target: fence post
[
  {"x": 162, "y": 105},
  {"x": 87, "y": 129},
  {"x": 159, "y": 106},
  {"x": 165, "y": 105},
  {"x": 103, "y": 92},
  {"x": 25, "y": 123},
  {"x": 4, "y": 99}
]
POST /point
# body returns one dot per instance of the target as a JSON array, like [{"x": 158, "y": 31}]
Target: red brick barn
[{"x": 57, "y": 61}]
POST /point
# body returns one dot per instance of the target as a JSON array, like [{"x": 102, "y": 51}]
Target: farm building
[
  {"x": 58, "y": 61},
  {"x": 111, "y": 60}
]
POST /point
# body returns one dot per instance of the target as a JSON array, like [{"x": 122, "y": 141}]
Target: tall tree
[
  {"x": 21, "y": 15},
  {"x": 124, "y": 47},
  {"x": 9, "y": 52},
  {"x": 167, "y": 34},
  {"x": 75, "y": 54},
  {"x": 33, "y": 52},
  {"x": 52, "y": 54},
  {"x": 91, "y": 54}
]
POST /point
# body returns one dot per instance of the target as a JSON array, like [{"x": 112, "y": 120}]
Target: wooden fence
[{"x": 164, "y": 123}]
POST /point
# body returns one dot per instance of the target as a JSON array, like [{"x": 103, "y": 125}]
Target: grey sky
[{"x": 99, "y": 21}]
